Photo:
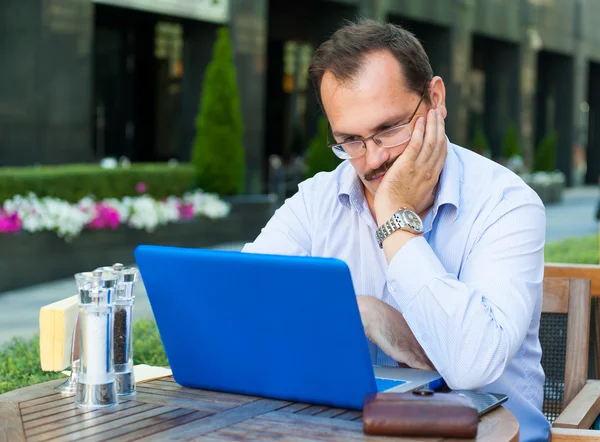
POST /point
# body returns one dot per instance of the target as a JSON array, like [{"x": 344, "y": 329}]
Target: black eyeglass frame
[{"x": 339, "y": 146}]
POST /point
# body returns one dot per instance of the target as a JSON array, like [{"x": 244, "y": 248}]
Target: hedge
[{"x": 75, "y": 181}]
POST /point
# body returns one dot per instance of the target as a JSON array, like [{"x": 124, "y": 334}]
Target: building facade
[{"x": 85, "y": 79}]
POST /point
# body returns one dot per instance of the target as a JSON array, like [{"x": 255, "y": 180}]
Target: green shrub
[
  {"x": 75, "y": 181},
  {"x": 480, "y": 143},
  {"x": 545, "y": 154},
  {"x": 20, "y": 358},
  {"x": 582, "y": 250},
  {"x": 510, "y": 144},
  {"x": 218, "y": 151},
  {"x": 319, "y": 157}
]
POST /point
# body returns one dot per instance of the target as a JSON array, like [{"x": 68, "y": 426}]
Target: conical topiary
[
  {"x": 545, "y": 154},
  {"x": 510, "y": 145},
  {"x": 480, "y": 143},
  {"x": 218, "y": 151},
  {"x": 319, "y": 157}
]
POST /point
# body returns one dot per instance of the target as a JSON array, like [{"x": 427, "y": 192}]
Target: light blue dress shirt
[{"x": 470, "y": 288}]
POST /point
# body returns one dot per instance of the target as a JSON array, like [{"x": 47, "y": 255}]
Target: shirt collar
[
  {"x": 350, "y": 189},
  {"x": 448, "y": 192}
]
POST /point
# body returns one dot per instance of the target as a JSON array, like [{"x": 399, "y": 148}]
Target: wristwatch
[{"x": 404, "y": 219}]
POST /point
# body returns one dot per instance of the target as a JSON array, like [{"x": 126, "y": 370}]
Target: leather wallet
[{"x": 424, "y": 414}]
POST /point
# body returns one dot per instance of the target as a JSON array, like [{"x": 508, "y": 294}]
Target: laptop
[{"x": 282, "y": 327}]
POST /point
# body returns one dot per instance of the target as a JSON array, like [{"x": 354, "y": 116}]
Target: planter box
[
  {"x": 549, "y": 194},
  {"x": 33, "y": 258}
]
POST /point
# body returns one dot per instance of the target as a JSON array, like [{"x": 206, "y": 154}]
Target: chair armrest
[{"x": 583, "y": 410}]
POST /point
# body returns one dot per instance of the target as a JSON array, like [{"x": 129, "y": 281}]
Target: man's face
[{"x": 374, "y": 101}]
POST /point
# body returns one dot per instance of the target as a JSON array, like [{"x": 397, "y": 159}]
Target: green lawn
[
  {"x": 582, "y": 250},
  {"x": 19, "y": 359}
]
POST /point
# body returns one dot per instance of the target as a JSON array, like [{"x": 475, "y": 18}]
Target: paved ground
[
  {"x": 19, "y": 309},
  {"x": 574, "y": 216}
]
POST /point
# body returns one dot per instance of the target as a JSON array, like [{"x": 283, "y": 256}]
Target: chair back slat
[
  {"x": 578, "y": 338},
  {"x": 564, "y": 336}
]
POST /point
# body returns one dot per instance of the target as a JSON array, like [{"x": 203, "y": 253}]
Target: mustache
[{"x": 371, "y": 174}]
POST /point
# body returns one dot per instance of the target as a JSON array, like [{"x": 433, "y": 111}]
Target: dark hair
[{"x": 344, "y": 53}]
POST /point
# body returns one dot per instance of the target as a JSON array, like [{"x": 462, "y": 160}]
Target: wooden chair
[
  {"x": 591, "y": 272},
  {"x": 564, "y": 337},
  {"x": 575, "y": 421}
]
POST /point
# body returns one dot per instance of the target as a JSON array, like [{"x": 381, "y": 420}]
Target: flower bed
[{"x": 67, "y": 220}]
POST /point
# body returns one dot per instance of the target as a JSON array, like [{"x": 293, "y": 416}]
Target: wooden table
[{"x": 163, "y": 410}]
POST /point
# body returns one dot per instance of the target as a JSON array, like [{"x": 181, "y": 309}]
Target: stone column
[
  {"x": 457, "y": 84},
  {"x": 46, "y": 81},
  {"x": 580, "y": 86},
  {"x": 248, "y": 25},
  {"x": 528, "y": 80}
]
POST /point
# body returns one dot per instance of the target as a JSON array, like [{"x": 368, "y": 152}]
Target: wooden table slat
[
  {"x": 331, "y": 412},
  {"x": 91, "y": 428},
  {"x": 130, "y": 429},
  {"x": 47, "y": 405},
  {"x": 181, "y": 402},
  {"x": 33, "y": 392},
  {"x": 247, "y": 432},
  {"x": 49, "y": 412},
  {"x": 221, "y": 420},
  {"x": 215, "y": 396},
  {"x": 195, "y": 395},
  {"x": 315, "y": 409},
  {"x": 87, "y": 414},
  {"x": 154, "y": 429},
  {"x": 61, "y": 426},
  {"x": 42, "y": 400},
  {"x": 295, "y": 407},
  {"x": 298, "y": 426},
  {"x": 349, "y": 415},
  {"x": 11, "y": 427}
]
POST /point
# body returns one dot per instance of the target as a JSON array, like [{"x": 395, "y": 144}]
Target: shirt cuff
[{"x": 412, "y": 268}]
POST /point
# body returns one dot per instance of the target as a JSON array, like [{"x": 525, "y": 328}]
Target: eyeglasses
[{"x": 391, "y": 137}]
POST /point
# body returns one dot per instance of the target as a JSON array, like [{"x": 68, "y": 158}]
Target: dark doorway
[
  {"x": 554, "y": 110},
  {"x": 593, "y": 138},
  {"x": 495, "y": 83},
  {"x": 137, "y": 77}
]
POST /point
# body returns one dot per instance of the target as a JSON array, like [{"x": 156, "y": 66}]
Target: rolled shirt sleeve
[{"x": 471, "y": 325}]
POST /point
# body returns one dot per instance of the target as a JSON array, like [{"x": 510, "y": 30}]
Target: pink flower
[
  {"x": 141, "y": 187},
  {"x": 104, "y": 217},
  {"x": 186, "y": 211},
  {"x": 9, "y": 223}
]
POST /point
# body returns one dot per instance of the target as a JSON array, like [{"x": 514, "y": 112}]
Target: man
[{"x": 444, "y": 246}]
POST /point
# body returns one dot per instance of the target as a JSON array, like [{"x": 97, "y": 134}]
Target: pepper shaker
[{"x": 123, "y": 331}]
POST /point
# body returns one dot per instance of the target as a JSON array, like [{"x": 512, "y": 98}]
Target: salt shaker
[
  {"x": 123, "y": 339},
  {"x": 96, "y": 385}
]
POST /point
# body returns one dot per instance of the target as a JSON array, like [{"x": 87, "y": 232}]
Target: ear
[{"x": 437, "y": 94}]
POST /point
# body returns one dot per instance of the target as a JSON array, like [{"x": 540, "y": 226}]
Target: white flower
[
  {"x": 144, "y": 213},
  {"x": 108, "y": 163},
  {"x": 215, "y": 208}
]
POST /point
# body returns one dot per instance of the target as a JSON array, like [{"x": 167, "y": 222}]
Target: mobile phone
[{"x": 483, "y": 402}]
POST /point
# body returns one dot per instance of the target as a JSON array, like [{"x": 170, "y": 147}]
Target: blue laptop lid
[{"x": 264, "y": 325}]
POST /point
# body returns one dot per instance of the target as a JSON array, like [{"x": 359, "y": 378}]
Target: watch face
[{"x": 412, "y": 220}]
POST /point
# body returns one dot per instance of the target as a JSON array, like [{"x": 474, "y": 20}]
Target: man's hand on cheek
[
  {"x": 386, "y": 328},
  {"x": 411, "y": 180}
]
